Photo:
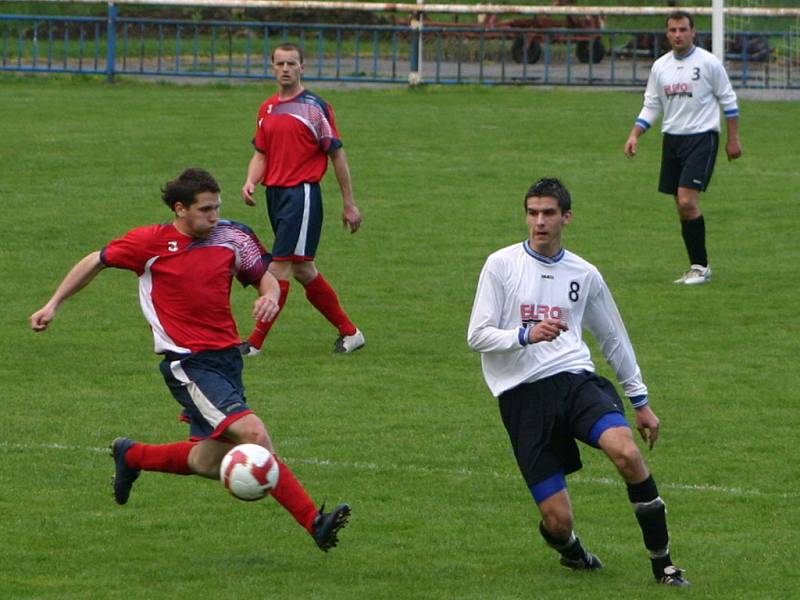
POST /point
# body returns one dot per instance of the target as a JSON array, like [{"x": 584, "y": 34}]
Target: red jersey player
[
  {"x": 295, "y": 134},
  {"x": 185, "y": 271}
]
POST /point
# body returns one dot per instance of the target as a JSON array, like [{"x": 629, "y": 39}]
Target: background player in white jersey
[
  {"x": 533, "y": 300},
  {"x": 688, "y": 85}
]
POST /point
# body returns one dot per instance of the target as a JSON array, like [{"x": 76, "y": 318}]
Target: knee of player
[
  {"x": 626, "y": 457},
  {"x": 558, "y": 521},
  {"x": 254, "y": 432}
]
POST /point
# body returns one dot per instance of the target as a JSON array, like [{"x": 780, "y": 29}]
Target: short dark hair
[
  {"x": 185, "y": 187},
  {"x": 679, "y": 15},
  {"x": 288, "y": 47},
  {"x": 550, "y": 187}
]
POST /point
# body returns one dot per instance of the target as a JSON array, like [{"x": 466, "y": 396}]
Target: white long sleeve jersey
[
  {"x": 517, "y": 289},
  {"x": 688, "y": 91}
]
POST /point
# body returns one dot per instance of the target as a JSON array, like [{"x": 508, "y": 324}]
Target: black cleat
[
  {"x": 673, "y": 576},
  {"x": 327, "y": 526},
  {"x": 589, "y": 562},
  {"x": 124, "y": 476}
]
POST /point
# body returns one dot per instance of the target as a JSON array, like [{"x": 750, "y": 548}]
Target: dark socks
[
  {"x": 651, "y": 513},
  {"x": 570, "y": 548},
  {"x": 694, "y": 237}
]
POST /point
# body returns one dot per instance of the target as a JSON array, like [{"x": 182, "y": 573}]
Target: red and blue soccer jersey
[
  {"x": 296, "y": 135},
  {"x": 185, "y": 283}
]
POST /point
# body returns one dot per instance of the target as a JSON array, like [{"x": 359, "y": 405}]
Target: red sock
[
  {"x": 320, "y": 293},
  {"x": 256, "y": 338},
  {"x": 291, "y": 494},
  {"x": 167, "y": 458}
]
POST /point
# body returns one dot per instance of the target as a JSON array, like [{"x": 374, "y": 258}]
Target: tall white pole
[{"x": 718, "y": 28}]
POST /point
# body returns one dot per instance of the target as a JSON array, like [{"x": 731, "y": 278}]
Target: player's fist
[
  {"x": 42, "y": 318},
  {"x": 546, "y": 331},
  {"x": 733, "y": 149}
]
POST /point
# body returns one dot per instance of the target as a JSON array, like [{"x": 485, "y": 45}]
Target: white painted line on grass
[{"x": 359, "y": 466}]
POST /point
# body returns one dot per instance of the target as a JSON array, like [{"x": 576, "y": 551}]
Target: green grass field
[{"x": 404, "y": 430}]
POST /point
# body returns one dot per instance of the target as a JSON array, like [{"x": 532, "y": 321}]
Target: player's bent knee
[
  {"x": 249, "y": 430},
  {"x": 557, "y": 520}
]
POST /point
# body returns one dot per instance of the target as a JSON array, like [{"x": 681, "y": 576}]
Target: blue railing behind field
[{"x": 118, "y": 45}]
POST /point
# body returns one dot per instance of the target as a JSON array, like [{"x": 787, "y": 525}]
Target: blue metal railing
[{"x": 118, "y": 45}]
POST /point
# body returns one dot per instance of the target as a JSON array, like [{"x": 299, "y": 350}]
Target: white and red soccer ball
[{"x": 249, "y": 472}]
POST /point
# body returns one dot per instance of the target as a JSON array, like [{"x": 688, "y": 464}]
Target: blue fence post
[
  {"x": 111, "y": 39},
  {"x": 415, "y": 25}
]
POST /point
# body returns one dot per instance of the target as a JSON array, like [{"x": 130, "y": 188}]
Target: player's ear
[{"x": 566, "y": 217}]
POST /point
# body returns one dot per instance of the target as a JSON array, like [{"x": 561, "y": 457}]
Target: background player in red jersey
[
  {"x": 185, "y": 271},
  {"x": 295, "y": 134}
]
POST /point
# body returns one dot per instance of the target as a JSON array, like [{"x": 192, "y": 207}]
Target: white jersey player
[
  {"x": 533, "y": 301},
  {"x": 689, "y": 85}
]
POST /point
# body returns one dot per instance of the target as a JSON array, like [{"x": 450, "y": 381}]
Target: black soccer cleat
[
  {"x": 124, "y": 475},
  {"x": 673, "y": 576},
  {"x": 327, "y": 525},
  {"x": 588, "y": 562}
]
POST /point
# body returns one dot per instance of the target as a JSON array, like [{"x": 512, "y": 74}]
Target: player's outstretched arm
[
  {"x": 648, "y": 425},
  {"x": 351, "y": 216},
  {"x": 79, "y": 276}
]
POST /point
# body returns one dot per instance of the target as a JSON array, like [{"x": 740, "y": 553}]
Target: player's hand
[
  {"x": 42, "y": 318},
  {"x": 547, "y": 331},
  {"x": 248, "y": 190},
  {"x": 265, "y": 308},
  {"x": 733, "y": 148},
  {"x": 631, "y": 146},
  {"x": 351, "y": 217},
  {"x": 648, "y": 425}
]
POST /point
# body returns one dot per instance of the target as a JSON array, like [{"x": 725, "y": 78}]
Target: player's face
[
  {"x": 545, "y": 222},
  {"x": 199, "y": 219},
  {"x": 680, "y": 35},
  {"x": 287, "y": 68}
]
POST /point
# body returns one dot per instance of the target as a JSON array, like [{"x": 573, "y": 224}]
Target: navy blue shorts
[
  {"x": 295, "y": 214},
  {"x": 209, "y": 386},
  {"x": 543, "y": 419},
  {"x": 687, "y": 161}
]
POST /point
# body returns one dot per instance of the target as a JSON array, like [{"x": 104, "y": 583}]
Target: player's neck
[
  {"x": 183, "y": 228},
  {"x": 548, "y": 250},
  {"x": 287, "y": 93},
  {"x": 685, "y": 53}
]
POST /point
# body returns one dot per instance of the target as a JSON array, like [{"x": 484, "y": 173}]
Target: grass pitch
[{"x": 404, "y": 430}]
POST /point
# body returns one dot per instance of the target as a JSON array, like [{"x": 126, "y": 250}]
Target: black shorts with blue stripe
[{"x": 544, "y": 418}]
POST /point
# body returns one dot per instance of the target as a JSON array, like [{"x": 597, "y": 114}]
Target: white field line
[{"x": 464, "y": 471}]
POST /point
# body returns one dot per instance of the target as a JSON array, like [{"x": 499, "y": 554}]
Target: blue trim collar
[
  {"x": 685, "y": 56},
  {"x": 548, "y": 260}
]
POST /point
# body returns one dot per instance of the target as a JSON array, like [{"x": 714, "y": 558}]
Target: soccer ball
[{"x": 249, "y": 472}]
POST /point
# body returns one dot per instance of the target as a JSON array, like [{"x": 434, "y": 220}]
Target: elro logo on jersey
[
  {"x": 679, "y": 90},
  {"x": 534, "y": 313},
  {"x": 172, "y": 246}
]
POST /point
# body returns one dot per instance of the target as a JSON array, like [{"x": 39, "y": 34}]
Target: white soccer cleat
[
  {"x": 349, "y": 343},
  {"x": 696, "y": 275}
]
